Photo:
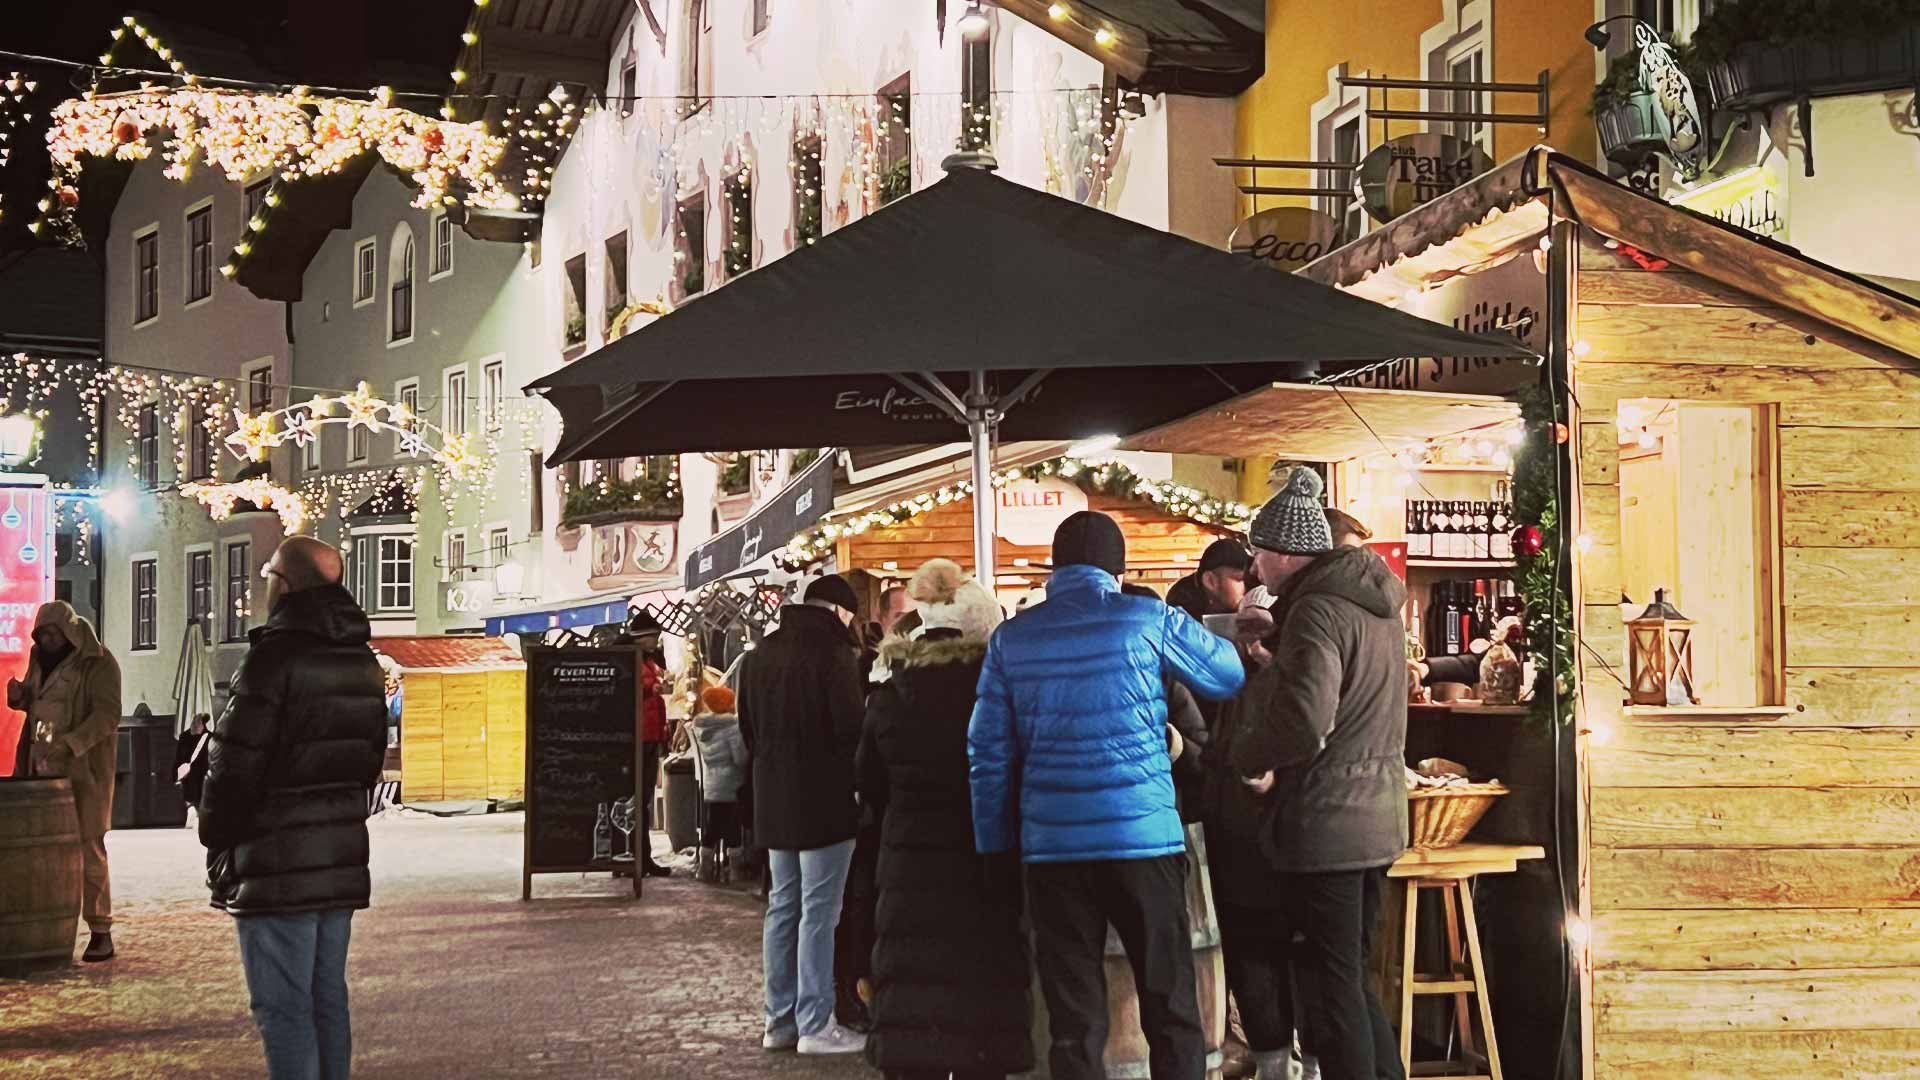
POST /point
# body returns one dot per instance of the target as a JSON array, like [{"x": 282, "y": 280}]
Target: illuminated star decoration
[
  {"x": 304, "y": 429},
  {"x": 363, "y": 409},
  {"x": 255, "y": 435},
  {"x": 455, "y": 456},
  {"x": 322, "y": 405}
]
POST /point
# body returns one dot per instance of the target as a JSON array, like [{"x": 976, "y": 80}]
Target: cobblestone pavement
[{"x": 451, "y": 975}]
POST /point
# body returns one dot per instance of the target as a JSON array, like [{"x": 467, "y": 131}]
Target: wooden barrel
[
  {"x": 40, "y": 890},
  {"x": 1127, "y": 1052}
]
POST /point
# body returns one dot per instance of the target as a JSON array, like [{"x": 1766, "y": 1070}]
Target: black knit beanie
[{"x": 1090, "y": 538}]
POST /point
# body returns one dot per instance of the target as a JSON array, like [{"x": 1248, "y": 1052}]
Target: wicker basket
[{"x": 1442, "y": 817}]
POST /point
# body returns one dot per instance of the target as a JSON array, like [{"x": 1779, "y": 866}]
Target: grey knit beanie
[{"x": 1294, "y": 522}]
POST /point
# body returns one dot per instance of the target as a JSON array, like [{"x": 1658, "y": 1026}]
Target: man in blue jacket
[{"x": 1069, "y": 766}]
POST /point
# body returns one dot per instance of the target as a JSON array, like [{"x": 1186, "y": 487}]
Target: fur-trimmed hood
[{"x": 930, "y": 650}]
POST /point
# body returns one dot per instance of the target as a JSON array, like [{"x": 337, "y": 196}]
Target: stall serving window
[{"x": 1699, "y": 508}]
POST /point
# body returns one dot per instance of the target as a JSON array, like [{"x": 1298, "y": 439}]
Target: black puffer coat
[
  {"x": 801, "y": 701},
  {"x": 283, "y": 812},
  {"x": 951, "y": 988}
]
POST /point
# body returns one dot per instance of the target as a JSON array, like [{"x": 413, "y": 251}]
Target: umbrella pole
[{"x": 980, "y": 421}]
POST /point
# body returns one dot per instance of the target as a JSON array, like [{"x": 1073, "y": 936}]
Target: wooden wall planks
[
  {"x": 1754, "y": 880},
  {"x": 1664, "y": 755},
  {"x": 1755, "y": 817},
  {"x": 1847, "y": 999},
  {"x": 1662, "y": 878},
  {"x": 1779, "y": 940},
  {"x": 1745, "y": 1055}
]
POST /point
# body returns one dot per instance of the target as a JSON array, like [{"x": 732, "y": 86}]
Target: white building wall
[
  {"x": 218, "y": 338},
  {"x": 625, "y": 172},
  {"x": 482, "y": 310}
]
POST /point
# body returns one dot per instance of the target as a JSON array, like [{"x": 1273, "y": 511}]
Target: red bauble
[
  {"x": 126, "y": 131},
  {"x": 1560, "y": 433},
  {"x": 1528, "y": 540},
  {"x": 433, "y": 138},
  {"x": 69, "y": 198}
]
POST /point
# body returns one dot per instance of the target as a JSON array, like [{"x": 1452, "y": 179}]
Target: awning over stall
[{"x": 1325, "y": 423}]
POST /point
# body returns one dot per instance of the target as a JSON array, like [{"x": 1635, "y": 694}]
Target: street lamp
[
  {"x": 508, "y": 577},
  {"x": 974, "y": 22},
  {"x": 17, "y": 433},
  {"x": 1600, "y": 37}
]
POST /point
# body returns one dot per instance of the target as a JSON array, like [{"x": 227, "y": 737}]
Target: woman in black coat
[{"x": 951, "y": 983}]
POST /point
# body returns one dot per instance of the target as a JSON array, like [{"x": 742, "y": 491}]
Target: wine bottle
[
  {"x": 1442, "y": 530},
  {"x": 1500, "y": 538},
  {"x": 1482, "y": 522},
  {"x": 1452, "y": 625},
  {"x": 602, "y": 835},
  {"x": 1419, "y": 544}
]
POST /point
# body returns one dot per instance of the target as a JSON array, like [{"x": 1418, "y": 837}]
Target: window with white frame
[
  {"x": 308, "y": 439},
  {"x": 364, "y": 255},
  {"x": 396, "y": 573},
  {"x": 146, "y": 275},
  {"x": 260, "y": 388},
  {"x": 1348, "y": 140},
  {"x": 358, "y": 440},
  {"x": 407, "y": 393},
  {"x": 493, "y": 389},
  {"x": 255, "y": 202},
  {"x": 453, "y": 402},
  {"x": 442, "y": 246},
  {"x": 497, "y": 544},
  {"x": 146, "y": 602},
  {"x": 1339, "y": 134},
  {"x": 453, "y": 563},
  {"x": 239, "y": 591},
  {"x": 629, "y": 85},
  {"x": 380, "y": 571},
  {"x": 200, "y": 252},
  {"x": 199, "y": 443},
  {"x": 400, "y": 293},
  {"x": 147, "y": 444},
  {"x": 200, "y": 591},
  {"x": 1459, "y": 50}
]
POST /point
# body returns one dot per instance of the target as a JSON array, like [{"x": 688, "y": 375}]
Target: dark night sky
[{"x": 409, "y": 44}]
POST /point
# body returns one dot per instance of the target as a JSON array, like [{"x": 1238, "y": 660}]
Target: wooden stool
[{"x": 1451, "y": 871}]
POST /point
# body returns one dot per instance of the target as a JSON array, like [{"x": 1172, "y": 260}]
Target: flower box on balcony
[
  {"x": 643, "y": 498},
  {"x": 1629, "y": 127},
  {"x": 1760, "y": 73}
]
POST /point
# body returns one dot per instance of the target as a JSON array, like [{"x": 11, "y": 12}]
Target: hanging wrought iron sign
[
  {"x": 1285, "y": 237},
  {"x": 1412, "y": 170},
  {"x": 1677, "y": 115}
]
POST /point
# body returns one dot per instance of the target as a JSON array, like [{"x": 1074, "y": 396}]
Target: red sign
[
  {"x": 1394, "y": 554},
  {"x": 26, "y": 582}
]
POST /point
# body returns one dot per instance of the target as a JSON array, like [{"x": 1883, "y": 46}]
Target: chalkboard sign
[{"x": 582, "y": 762}]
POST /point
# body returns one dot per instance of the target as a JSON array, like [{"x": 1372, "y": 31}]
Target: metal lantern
[{"x": 1660, "y": 655}]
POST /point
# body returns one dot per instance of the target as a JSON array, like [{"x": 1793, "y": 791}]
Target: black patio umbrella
[{"x": 943, "y": 311}]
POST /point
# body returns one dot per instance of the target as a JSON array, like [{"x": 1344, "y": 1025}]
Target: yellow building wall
[{"x": 1307, "y": 38}]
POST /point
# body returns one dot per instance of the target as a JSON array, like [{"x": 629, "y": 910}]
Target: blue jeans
[
  {"x": 296, "y": 969},
  {"x": 803, "y": 907}
]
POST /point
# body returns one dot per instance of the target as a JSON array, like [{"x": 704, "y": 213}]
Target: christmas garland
[
  {"x": 1104, "y": 477},
  {"x": 1542, "y": 548}
]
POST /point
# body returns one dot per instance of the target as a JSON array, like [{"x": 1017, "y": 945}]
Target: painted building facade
[{"x": 700, "y": 163}]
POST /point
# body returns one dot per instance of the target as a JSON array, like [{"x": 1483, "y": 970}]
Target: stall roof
[
  {"x": 448, "y": 653},
  {"x": 1482, "y": 222},
  {"x": 1324, "y": 423}
]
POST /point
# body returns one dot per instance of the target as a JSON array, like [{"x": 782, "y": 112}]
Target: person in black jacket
[
  {"x": 801, "y": 701},
  {"x": 283, "y": 811},
  {"x": 951, "y": 989},
  {"x": 1218, "y": 586}
]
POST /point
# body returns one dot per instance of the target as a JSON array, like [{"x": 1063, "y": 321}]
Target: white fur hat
[{"x": 949, "y": 599}]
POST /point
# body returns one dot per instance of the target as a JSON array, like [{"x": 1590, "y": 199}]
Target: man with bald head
[{"x": 283, "y": 811}]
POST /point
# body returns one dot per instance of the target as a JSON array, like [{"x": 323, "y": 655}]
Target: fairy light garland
[
  {"x": 1105, "y": 477},
  {"x": 13, "y": 111}
]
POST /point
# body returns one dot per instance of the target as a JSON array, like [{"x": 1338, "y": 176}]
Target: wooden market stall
[
  {"x": 462, "y": 717},
  {"x": 1738, "y": 439}
]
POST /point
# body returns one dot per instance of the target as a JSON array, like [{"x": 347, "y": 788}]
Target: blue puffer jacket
[{"x": 1068, "y": 742}]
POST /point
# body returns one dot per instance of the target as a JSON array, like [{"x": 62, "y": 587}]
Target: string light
[{"x": 1106, "y": 477}]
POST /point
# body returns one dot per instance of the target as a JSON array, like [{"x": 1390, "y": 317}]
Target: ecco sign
[{"x": 1285, "y": 237}]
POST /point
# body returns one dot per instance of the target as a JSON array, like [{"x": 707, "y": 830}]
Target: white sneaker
[
  {"x": 833, "y": 1039},
  {"x": 784, "y": 1039}
]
